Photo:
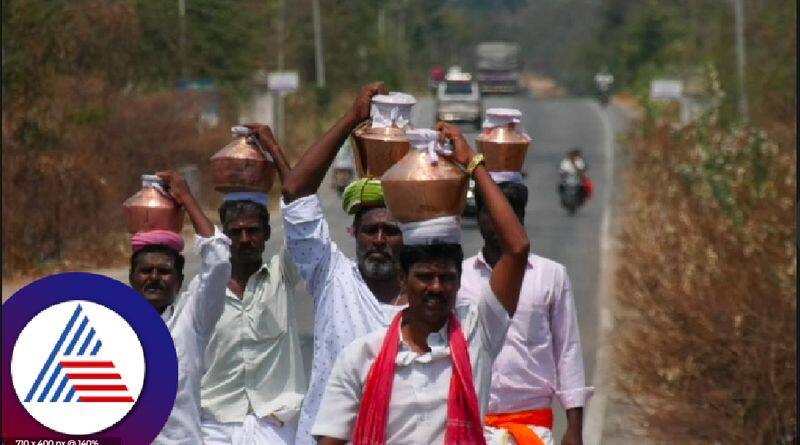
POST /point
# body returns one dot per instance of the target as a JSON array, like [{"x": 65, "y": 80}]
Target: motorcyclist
[
  {"x": 437, "y": 76},
  {"x": 573, "y": 171},
  {"x": 603, "y": 79}
]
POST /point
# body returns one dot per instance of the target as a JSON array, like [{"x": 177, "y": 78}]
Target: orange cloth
[{"x": 517, "y": 424}]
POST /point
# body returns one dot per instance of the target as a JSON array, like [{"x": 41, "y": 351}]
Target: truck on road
[{"x": 498, "y": 67}]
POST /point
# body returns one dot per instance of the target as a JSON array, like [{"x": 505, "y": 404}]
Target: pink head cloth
[{"x": 153, "y": 237}]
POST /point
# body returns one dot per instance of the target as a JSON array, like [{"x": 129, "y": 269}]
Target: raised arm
[
  {"x": 177, "y": 187},
  {"x": 205, "y": 300},
  {"x": 308, "y": 174},
  {"x": 507, "y": 274},
  {"x": 270, "y": 144}
]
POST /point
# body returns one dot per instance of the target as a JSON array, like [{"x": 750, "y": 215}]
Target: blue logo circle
[{"x": 72, "y": 346}]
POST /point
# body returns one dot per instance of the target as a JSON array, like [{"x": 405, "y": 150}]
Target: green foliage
[{"x": 642, "y": 40}]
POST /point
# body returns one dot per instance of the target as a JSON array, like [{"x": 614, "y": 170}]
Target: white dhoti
[
  {"x": 500, "y": 436},
  {"x": 253, "y": 431}
]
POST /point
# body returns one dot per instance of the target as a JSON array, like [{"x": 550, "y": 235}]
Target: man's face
[
  {"x": 155, "y": 277},
  {"x": 378, "y": 243},
  {"x": 248, "y": 238},
  {"x": 431, "y": 288},
  {"x": 486, "y": 226}
]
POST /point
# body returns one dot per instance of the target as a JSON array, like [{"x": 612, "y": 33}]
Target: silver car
[{"x": 459, "y": 100}]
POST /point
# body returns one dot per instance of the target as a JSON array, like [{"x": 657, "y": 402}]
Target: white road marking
[{"x": 595, "y": 416}]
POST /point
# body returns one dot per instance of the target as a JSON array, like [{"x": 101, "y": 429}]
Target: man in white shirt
[
  {"x": 426, "y": 379},
  {"x": 254, "y": 386},
  {"x": 351, "y": 298},
  {"x": 157, "y": 273},
  {"x": 541, "y": 357}
]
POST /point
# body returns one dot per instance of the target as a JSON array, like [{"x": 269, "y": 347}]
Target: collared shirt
[
  {"x": 254, "y": 359},
  {"x": 541, "y": 356},
  {"x": 421, "y": 386},
  {"x": 345, "y": 308},
  {"x": 191, "y": 321}
]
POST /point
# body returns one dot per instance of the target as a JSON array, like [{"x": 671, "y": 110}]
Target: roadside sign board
[
  {"x": 666, "y": 89},
  {"x": 283, "y": 81}
]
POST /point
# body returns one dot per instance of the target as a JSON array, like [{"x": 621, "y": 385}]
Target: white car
[{"x": 458, "y": 99}]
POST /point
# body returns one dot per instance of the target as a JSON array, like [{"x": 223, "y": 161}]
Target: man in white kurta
[
  {"x": 541, "y": 358},
  {"x": 157, "y": 273},
  {"x": 418, "y": 407}
]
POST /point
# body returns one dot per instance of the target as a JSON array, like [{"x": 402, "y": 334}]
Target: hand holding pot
[
  {"x": 362, "y": 104},
  {"x": 176, "y": 186},
  {"x": 179, "y": 189},
  {"x": 462, "y": 152}
]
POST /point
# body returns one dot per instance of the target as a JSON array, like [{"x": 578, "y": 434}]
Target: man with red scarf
[{"x": 426, "y": 379}]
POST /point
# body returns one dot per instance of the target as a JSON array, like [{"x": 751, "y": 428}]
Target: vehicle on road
[
  {"x": 343, "y": 168},
  {"x": 470, "y": 210},
  {"x": 571, "y": 193},
  {"x": 458, "y": 99},
  {"x": 604, "y": 80},
  {"x": 437, "y": 76},
  {"x": 498, "y": 67},
  {"x": 574, "y": 186}
]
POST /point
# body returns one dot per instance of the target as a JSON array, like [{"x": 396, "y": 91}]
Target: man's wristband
[{"x": 474, "y": 162}]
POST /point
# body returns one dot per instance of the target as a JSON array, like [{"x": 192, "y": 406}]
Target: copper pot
[
  {"x": 241, "y": 166},
  {"x": 415, "y": 190},
  {"x": 380, "y": 142},
  {"x": 377, "y": 149},
  {"x": 503, "y": 147},
  {"x": 152, "y": 209}
]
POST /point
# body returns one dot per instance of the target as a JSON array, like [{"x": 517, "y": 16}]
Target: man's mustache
[
  {"x": 385, "y": 253},
  {"x": 154, "y": 285}
]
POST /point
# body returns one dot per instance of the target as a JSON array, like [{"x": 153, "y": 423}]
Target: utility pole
[
  {"x": 318, "y": 59},
  {"x": 738, "y": 16},
  {"x": 281, "y": 41},
  {"x": 182, "y": 37}
]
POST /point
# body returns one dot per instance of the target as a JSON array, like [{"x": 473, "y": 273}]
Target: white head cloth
[
  {"x": 442, "y": 230},
  {"x": 427, "y": 140},
  {"x": 500, "y": 117},
  {"x": 391, "y": 108},
  {"x": 155, "y": 182},
  {"x": 499, "y": 177}
]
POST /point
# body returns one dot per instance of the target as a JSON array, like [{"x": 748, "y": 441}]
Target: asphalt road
[{"x": 555, "y": 125}]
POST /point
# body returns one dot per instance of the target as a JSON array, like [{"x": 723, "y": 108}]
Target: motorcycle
[{"x": 571, "y": 193}]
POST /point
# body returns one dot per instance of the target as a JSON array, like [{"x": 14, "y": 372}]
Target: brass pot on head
[
  {"x": 380, "y": 142},
  {"x": 242, "y": 166},
  {"x": 504, "y": 148},
  {"x": 416, "y": 189},
  {"x": 151, "y": 208}
]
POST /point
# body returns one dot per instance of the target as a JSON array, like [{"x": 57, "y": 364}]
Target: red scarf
[{"x": 463, "y": 416}]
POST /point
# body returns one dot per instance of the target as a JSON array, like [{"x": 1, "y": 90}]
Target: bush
[
  {"x": 706, "y": 280},
  {"x": 67, "y": 172}
]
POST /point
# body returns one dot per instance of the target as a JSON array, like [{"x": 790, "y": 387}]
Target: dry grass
[
  {"x": 62, "y": 199},
  {"x": 706, "y": 280}
]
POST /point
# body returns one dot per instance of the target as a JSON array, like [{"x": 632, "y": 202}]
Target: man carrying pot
[
  {"x": 351, "y": 298},
  {"x": 425, "y": 379},
  {"x": 541, "y": 357},
  {"x": 157, "y": 273},
  {"x": 254, "y": 386}
]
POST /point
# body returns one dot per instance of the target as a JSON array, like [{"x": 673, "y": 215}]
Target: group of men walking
[{"x": 413, "y": 344}]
